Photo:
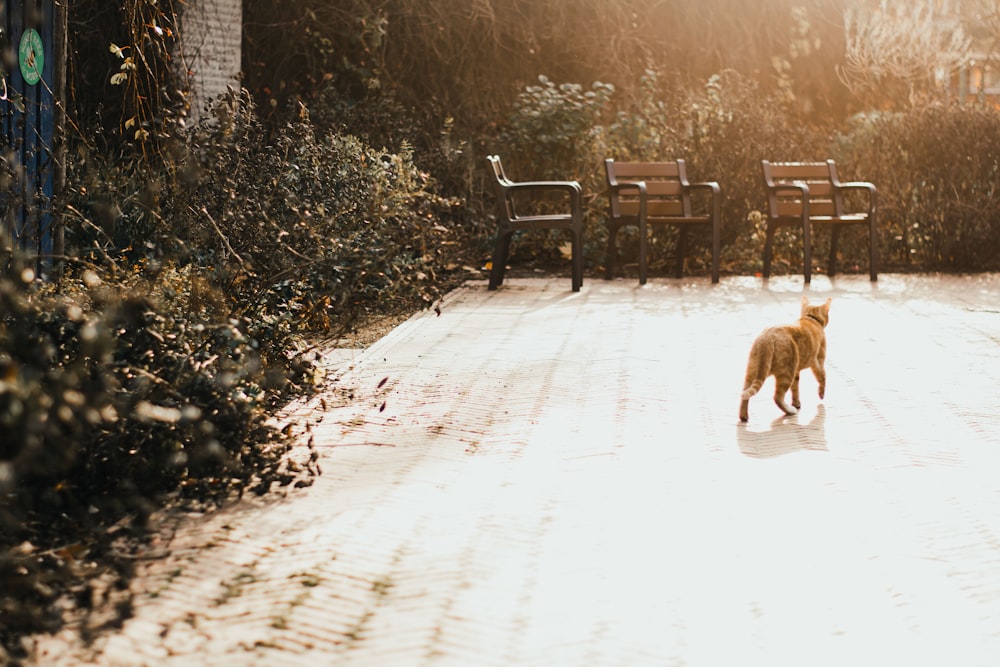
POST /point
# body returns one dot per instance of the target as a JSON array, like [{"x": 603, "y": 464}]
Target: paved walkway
[{"x": 549, "y": 478}]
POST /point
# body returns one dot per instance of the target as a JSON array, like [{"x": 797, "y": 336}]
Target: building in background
[
  {"x": 32, "y": 80},
  {"x": 33, "y": 59},
  {"x": 211, "y": 42}
]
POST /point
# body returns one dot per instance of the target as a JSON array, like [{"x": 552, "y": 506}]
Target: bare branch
[{"x": 900, "y": 42}]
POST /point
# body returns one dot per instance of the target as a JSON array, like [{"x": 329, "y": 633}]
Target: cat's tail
[
  {"x": 757, "y": 371},
  {"x": 751, "y": 391},
  {"x": 758, "y": 368}
]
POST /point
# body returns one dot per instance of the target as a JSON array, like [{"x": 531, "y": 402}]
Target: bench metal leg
[
  {"x": 807, "y": 251},
  {"x": 609, "y": 263},
  {"x": 681, "y": 252},
  {"x": 577, "y": 261},
  {"x": 501, "y": 251},
  {"x": 768, "y": 249},
  {"x": 643, "y": 252},
  {"x": 716, "y": 242},
  {"x": 831, "y": 268},
  {"x": 872, "y": 249}
]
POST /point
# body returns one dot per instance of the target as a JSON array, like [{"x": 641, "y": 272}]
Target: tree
[{"x": 901, "y": 51}]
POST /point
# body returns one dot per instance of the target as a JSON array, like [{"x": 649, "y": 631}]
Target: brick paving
[{"x": 550, "y": 478}]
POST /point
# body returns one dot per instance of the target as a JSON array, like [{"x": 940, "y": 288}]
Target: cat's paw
[
  {"x": 797, "y": 405},
  {"x": 786, "y": 408},
  {"x": 822, "y": 393}
]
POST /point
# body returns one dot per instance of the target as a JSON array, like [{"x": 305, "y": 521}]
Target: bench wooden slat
[
  {"x": 817, "y": 190},
  {"x": 654, "y": 189},
  {"x": 790, "y": 171},
  {"x": 788, "y": 208},
  {"x": 654, "y": 209},
  {"x": 641, "y": 171}
]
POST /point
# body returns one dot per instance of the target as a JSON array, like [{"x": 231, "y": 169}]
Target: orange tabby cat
[{"x": 783, "y": 352}]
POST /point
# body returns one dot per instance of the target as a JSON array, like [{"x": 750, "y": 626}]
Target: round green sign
[{"x": 31, "y": 55}]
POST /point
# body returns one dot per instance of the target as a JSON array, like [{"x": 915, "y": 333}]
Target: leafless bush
[{"x": 900, "y": 44}]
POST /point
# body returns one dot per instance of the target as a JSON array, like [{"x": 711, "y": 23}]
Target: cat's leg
[
  {"x": 796, "y": 403},
  {"x": 782, "y": 383},
  {"x": 758, "y": 368},
  {"x": 819, "y": 366},
  {"x": 820, "y": 374}
]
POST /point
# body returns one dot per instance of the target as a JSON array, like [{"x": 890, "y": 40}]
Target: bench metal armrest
[
  {"x": 856, "y": 185},
  {"x": 861, "y": 186},
  {"x": 775, "y": 190},
  {"x": 798, "y": 186},
  {"x": 711, "y": 186},
  {"x": 616, "y": 187},
  {"x": 569, "y": 186},
  {"x": 525, "y": 191},
  {"x": 629, "y": 185},
  {"x": 531, "y": 188}
]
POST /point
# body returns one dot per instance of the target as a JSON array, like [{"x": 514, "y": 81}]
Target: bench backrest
[
  {"x": 500, "y": 183},
  {"x": 820, "y": 177},
  {"x": 666, "y": 188}
]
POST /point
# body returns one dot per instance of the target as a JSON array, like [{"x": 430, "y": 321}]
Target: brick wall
[{"x": 212, "y": 32}]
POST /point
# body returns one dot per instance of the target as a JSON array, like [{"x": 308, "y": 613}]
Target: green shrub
[
  {"x": 646, "y": 124},
  {"x": 311, "y": 231},
  {"x": 936, "y": 169},
  {"x": 722, "y": 130},
  {"x": 151, "y": 369},
  {"x": 554, "y": 131},
  {"x": 732, "y": 126},
  {"x": 112, "y": 400},
  {"x": 288, "y": 228}
]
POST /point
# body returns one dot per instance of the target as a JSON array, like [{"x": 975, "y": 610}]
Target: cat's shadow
[{"x": 785, "y": 435}]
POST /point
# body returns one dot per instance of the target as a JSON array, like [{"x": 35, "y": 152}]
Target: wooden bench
[
  {"x": 804, "y": 194},
  {"x": 658, "y": 193},
  {"x": 516, "y": 211}
]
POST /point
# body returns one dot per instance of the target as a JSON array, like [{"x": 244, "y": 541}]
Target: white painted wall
[{"x": 211, "y": 41}]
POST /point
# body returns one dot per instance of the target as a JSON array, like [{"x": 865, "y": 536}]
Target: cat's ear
[
  {"x": 805, "y": 303},
  {"x": 826, "y": 306}
]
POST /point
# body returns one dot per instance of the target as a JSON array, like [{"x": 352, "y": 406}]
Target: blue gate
[{"x": 27, "y": 112}]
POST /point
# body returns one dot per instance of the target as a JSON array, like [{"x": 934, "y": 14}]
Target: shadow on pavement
[{"x": 784, "y": 436}]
